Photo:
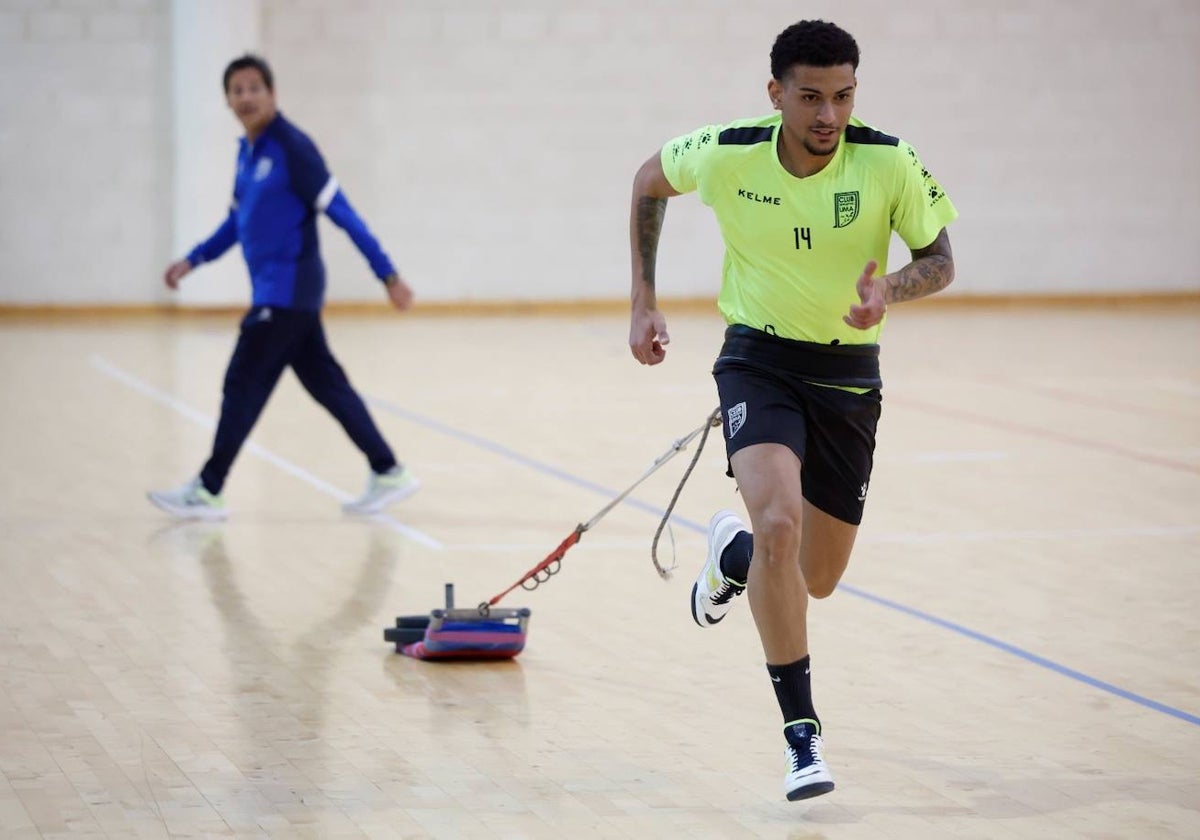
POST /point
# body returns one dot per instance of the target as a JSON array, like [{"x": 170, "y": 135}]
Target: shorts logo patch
[
  {"x": 862, "y": 494},
  {"x": 735, "y": 418}
]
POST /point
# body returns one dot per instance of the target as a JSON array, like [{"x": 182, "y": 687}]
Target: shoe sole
[
  {"x": 203, "y": 514},
  {"x": 709, "y": 621},
  {"x": 397, "y": 495},
  {"x": 809, "y": 791}
]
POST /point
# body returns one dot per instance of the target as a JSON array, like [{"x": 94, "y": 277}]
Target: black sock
[
  {"x": 735, "y": 559},
  {"x": 793, "y": 691}
]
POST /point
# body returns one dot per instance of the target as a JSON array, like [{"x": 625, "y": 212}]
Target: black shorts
[{"x": 769, "y": 395}]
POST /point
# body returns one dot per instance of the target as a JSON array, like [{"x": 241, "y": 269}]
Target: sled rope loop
[
  {"x": 552, "y": 563},
  {"x": 713, "y": 420}
]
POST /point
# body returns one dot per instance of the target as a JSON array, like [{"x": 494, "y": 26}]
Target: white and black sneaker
[
  {"x": 713, "y": 593},
  {"x": 807, "y": 774}
]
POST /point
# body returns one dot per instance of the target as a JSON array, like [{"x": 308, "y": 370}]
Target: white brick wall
[
  {"x": 12, "y": 27},
  {"x": 491, "y": 143},
  {"x": 116, "y": 26},
  {"x": 84, "y": 152},
  {"x": 55, "y": 26}
]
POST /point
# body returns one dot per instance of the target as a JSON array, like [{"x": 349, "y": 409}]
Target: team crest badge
[
  {"x": 263, "y": 169},
  {"x": 734, "y": 418},
  {"x": 845, "y": 208}
]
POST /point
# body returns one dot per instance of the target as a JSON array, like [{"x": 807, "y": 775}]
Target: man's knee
[{"x": 778, "y": 530}]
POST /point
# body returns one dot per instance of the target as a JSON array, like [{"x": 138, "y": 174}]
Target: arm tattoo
[
  {"x": 648, "y": 226},
  {"x": 931, "y": 270}
]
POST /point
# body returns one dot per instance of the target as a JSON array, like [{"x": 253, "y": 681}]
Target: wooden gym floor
[{"x": 1015, "y": 651}]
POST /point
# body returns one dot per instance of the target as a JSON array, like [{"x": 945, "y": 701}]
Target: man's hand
[
  {"x": 175, "y": 272},
  {"x": 648, "y": 336},
  {"x": 398, "y": 292},
  {"x": 870, "y": 311}
]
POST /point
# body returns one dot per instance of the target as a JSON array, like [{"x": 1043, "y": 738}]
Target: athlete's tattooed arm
[
  {"x": 647, "y": 327},
  {"x": 647, "y": 226},
  {"x": 931, "y": 270}
]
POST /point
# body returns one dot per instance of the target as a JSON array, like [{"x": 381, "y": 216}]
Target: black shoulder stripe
[
  {"x": 869, "y": 137},
  {"x": 746, "y": 136}
]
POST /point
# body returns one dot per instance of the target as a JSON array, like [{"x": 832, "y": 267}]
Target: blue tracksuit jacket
[{"x": 282, "y": 183}]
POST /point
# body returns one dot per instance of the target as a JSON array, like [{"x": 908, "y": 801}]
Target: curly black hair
[
  {"x": 246, "y": 61},
  {"x": 812, "y": 43}
]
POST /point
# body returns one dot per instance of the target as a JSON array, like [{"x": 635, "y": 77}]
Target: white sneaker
[
  {"x": 191, "y": 501},
  {"x": 713, "y": 593},
  {"x": 807, "y": 774},
  {"x": 383, "y": 489}
]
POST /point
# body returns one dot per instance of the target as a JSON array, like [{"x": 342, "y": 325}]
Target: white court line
[{"x": 201, "y": 419}]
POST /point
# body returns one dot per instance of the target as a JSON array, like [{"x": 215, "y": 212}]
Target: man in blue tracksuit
[{"x": 281, "y": 185}]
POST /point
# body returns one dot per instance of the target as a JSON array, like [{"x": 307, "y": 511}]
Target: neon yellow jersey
[{"x": 795, "y": 247}]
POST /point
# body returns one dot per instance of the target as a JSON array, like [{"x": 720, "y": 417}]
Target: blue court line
[{"x": 1020, "y": 653}]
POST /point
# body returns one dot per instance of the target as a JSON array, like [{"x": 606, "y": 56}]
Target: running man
[{"x": 806, "y": 200}]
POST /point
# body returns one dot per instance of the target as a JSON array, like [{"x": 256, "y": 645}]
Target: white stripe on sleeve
[{"x": 327, "y": 193}]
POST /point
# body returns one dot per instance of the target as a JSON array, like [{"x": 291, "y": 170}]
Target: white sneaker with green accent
[
  {"x": 807, "y": 774},
  {"x": 191, "y": 501},
  {"x": 383, "y": 489},
  {"x": 713, "y": 593}
]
